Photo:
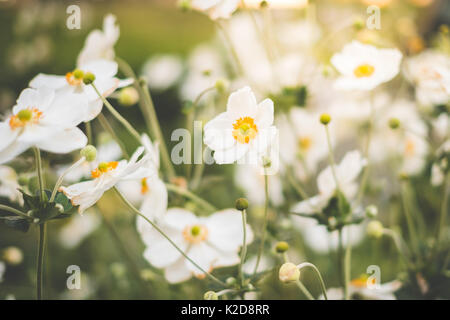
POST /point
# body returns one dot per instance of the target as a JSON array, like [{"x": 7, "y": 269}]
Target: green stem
[
  {"x": 136, "y": 211},
  {"x": 117, "y": 115},
  {"x": 304, "y": 290},
  {"x": 399, "y": 244},
  {"x": 105, "y": 124},
  {"x": 61, "y": 177},
  {"x": 347, "y": 264},
  {"x": 89, "y": 131},
  {"x": 409, "y": 220},
  {"x": 342, "y": 264},
  {"x": 444, "y": 210},
  {"x": 37, "y": 155},
  {"x": 244, "y": 246},
  {"x": 15, "y": 211},
  {"x": 319, "y": 276},
  {"x": 264, "y": 229},
  {"x": 331, "y": 157},
  {"x": 186, "y": 193},
  {"x": 40, "y": 260}
]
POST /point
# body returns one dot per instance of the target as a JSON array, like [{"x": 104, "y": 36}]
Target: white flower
[
  {"x": 211, "y": 242},
  {"x": 364, "y": 67},
  {"x": 347, "y": 171},
  {"x": 429, "y": 71},
  {"x": 105, "y": 81},
  {"x": 216, "y": 9},
  {"x": 277, "y": 4},
  {"x": 44, "y": 120},
  {"x": 359, "y": 289},
  {"x": 9, "y": 185},
  {"x": 150, "y": 193},
  {"x": 78, "y": 228},
  {"x": 107, "y": 175},
  {"x": 162, "y": 71},
  {"x": 244, "y": 130},
  {"x": 100, "y": 44}
]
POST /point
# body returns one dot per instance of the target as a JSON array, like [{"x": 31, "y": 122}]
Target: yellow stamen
[
  {"x": 244, "y": 130},
  {"x": 305, "y": 143},
  {"x": 103, "y": 167},
  {"x": 144, "y": 186},
  {"x": 410, "y": 148},
  {"x": 195, "y": 234},
  {"x": 364, "y": 70},
  {"x": 25, "y": 116},
  {"x": 72, "y": 80}
]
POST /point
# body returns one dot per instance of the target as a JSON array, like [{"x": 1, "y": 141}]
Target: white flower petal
[
  {"x": 242, "y": 103},
  {"x": 177, "y": 272},
  {"x": 64, "y": 141}
]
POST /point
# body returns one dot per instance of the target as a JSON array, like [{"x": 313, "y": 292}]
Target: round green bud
[
  {"x": 210, "y": 295},
  {"x": 241, "y": 204},
  {"x": 375, "y": 229},
  {"x": 394, "y": 123},
  {"x": 289, "y": 272},
  {"x": 89, "y": 152},
  {"x": 222, "y": 85},
  {"x": 231, "y": 281},
  {"x": 184, "y": 5},
  {"x": 371, "y": 211},
  {"x": 325, "y": 118},
  {"x": 266, "y": 162},
  {"x": 23, "y": 180},
  {"x": 78, "y": 74},
  {"x": 128, "y": 96},
  {"x": 282, "y": 247},
  {"x": 263, "y": 4},
  {"x": 358, "y": 24},
  {"x": 25, "y": 115},
  {"x": 88, "y": 78}
]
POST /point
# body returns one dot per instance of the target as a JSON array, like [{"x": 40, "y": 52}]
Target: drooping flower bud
[
  {"x": 281, "y": 247},
  {"x": 289, "y": 272},
  {"x": 241, "y": 204},
  {"x": 375, "y": 229},
  {"x": 210, "y": 295},
  {"x": 89, "y": 152}
]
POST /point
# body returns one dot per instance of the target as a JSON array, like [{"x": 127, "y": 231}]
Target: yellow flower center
[
  {"x": 305, "y": 143},
  {"x": 364, "y": 70},
  {"x": 410, "y": 148},
  {"x": 144, "y": 186},
  {"x": 103, "y": 167},
  {"x": 75, "y": 78},
  {"x": 244, "y": 130},
  {"x": 361, "y": 282},
  {"x": 195, "y": 234},
  {"x": 25, "y": 116}
]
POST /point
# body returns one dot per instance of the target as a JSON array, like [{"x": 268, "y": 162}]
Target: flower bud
[
  {"x": 210, "y": 295},
  {"x": 222, "y": 85},
  {"x": 282, "y": 247},
  {"x": 241, "y": 204},
  {"x": 325, "y": 118},
  {"x": 231, "y": 281},
  {"x": 289, "y": 272},
  {"x": 394, "y": 123},
  {"x": 23, "y": 180},
  {"x": 371, "y": 211},
  {"x": 184, "y": 5},
  {"x": 13, "y": 255},
  {"x": 263, "y": 4},
  {"x": 89, "y": 152},
  {"x": 266, "y": 162},
  {"x": 88, "y": 78},
  {"x": 375, "y": 229},
  {"x": 128, "y": 96}
]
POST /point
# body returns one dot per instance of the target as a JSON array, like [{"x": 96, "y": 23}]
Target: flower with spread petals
[
  {"x": 243, "y": 131},
  {"x": 211, "y": 242},
  {"x": 105, "y": 81},
  {"x": 364, "y": 67},
  {"x": 85, "y": 194},
  {"x": 99, "y": 44},
  {"x": 216, "y": 9},
  {"x": 45, "y": 120},
  {"x": 9, "y": 185}
]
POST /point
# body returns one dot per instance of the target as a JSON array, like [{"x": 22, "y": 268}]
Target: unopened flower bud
[
  {"x": 282, "y": 247},
  {"x": 375, "y": 229},
  {"x": 231, "y": 281},
  {"x": 89, "y": 152},
  {"x": 371, "y": 211},
  {"x": 241, "y": 204},
  {"x": 13, "y": 255},
  {"x": 289, "y": 272},
  {"x": 128, "y": 96},
  {"x": 394, "y": 123},
  {"x": 88, "y": 78},
  {"x": 263, "y": 4},
  {"x": 222, "y": 85},
  {"x": 23, "y": 180},
  {"x": 325, "y": 118},
  {"x": 210, "y": 295}
]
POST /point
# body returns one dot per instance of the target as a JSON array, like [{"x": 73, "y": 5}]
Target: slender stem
[
  {"x": 342, "y": 263},
  {"x": 15, "y": 211},
  {"x": 89, "y": 131},
  {"x": 322, "y": 283},
  {"x": 105, "y": 124},
  {"x": 331, "y": 157},
  {"x": 409, "y": 220},
  {"x": 61, "y": 177},
  {"x": 117, "y": 115},
  {"x": 399, "y": 244},
  {"x": 444, "y": 210},
  {"x": 186, "y": 193},
  {"x": 40, "y": 260},
  {"x": 264, "y": 229},
  {"x": 347, "y": 263},
  {"x": 298, "y": 188},
  {"x": 233, "y": 51},
  {"x": 37, "y": 155},
  {"x": 136, "y": 211},
  {"x": 244, "y": 246},
  {"x": 304, "y": 290}
]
